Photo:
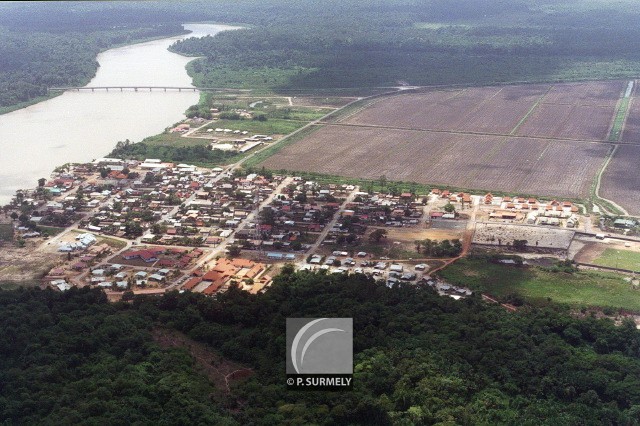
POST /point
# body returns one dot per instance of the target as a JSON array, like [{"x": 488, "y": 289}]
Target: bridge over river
[{"x": 143, "y": 88}]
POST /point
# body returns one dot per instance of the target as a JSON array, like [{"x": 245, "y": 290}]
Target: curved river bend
[{"x": 82, "y": 126}]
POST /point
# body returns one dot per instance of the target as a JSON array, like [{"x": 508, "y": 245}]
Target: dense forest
[
  {"x": 332, "y": 44},
  {"x": 322, "y": 44},
  {"x": 419, "y": 358},
  {"x": 35, "y": 61},
  {"x": 52, "y": 44}
]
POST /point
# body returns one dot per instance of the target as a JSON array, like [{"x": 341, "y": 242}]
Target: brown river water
[{"x": 82, "y": 126}]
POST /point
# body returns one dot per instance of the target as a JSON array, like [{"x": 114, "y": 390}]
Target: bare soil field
[
  {"x": 479, "y": 110},
  {"x": 582, "y": 122},
  {"x": 589, "y": 252},
  {"x": 564, "y": 168},
  {"x": 602, "y": 93},
  {"x": 621, "y": 180},
  {"x": 528, "y": 166},
  {"x": 536, "y": 236},
  {"x": 543, "y": 139},
  {"x": 410, "y": 235},
  {"x": 24, "y": 264},
  {"x": 577, "y": 111}
]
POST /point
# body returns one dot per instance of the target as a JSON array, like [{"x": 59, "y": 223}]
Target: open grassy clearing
[
  {"x": 583, "y": 288},
  {"x": 269, "y": 127},
  {"x": 615, "y": 258},
  {"x": 618, "y": 122},
  {"x": 174, "y": 139},
  {"x": 51, "y": 230}
]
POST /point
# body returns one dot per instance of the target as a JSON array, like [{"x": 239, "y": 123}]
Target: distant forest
[
  {"x": 51, "y": 44},
  {"x": 344, "y": 44},
  {"x": 311, "y": 44},
  {"x": 419, "y": 358}
]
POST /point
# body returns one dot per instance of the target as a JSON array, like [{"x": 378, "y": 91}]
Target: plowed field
[
  {"x": 557, "y": 168},
  {"x": 621, "y": 181},
  {"x": 545, "y": 139}
]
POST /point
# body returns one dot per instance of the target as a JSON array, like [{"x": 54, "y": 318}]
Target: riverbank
[
  {"x": 77, "y": 127},
  {"x": 8, "y": 109},
  {"x": 36, "y": 41}
]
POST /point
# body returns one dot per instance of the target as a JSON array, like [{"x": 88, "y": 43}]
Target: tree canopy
[{"x": 418, "y": 358}]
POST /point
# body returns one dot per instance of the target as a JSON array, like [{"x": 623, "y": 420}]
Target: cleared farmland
[
  {"x": 621, "y": 180},
  {"x": 532, "y": 166},
  {"x": 579, "y": 122},
  {"x": 479, "y": 110},
  {"x": 581, "y": 111},
  {"x": 596, "y": 93},
  {"x": 543, "y": 139}
]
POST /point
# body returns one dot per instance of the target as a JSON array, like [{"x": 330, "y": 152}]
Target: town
[{"x": 147, "y": 227}]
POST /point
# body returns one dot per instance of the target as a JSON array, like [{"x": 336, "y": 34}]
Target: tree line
[{"x": 418, "y": 358}]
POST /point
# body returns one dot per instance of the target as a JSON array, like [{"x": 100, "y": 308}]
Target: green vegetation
[
  {"x": 40, "y": 52},
  {"x": 6, "y": 232},
  {"x": 583, "y": 288},
  {"x": 346, "y": 44},
  {"x": 614, "y": 258},
  {"x": 427, "y": 43},
  {"x": 268, "y": 127},
  {"x": 443, "y": 248},
  {"x": 418, "y": 358},
  {"x": 193, "y": 153},
  {"x": 14, "y": 285},
  {"x": 73, "y": 358},
  {"x": 50, "y": 230},
  {"x": 618, "y": 122}
]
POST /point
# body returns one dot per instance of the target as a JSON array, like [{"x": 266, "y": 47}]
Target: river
[{"x": 82, "y": 126}]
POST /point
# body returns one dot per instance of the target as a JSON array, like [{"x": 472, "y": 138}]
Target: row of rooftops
[{"x": 247, "y": 274}]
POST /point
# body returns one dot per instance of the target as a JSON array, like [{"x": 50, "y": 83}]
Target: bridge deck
[{"x": 138, "y": 88}]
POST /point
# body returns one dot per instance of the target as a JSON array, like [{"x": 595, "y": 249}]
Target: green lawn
[
  {"x": 584, "y": 288},
  {"x": 174, "y": 139},
  {"x": 269, "y": 127},
  {"x": 51, "y": 230},
  {"x": 625, "y": 259}
]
